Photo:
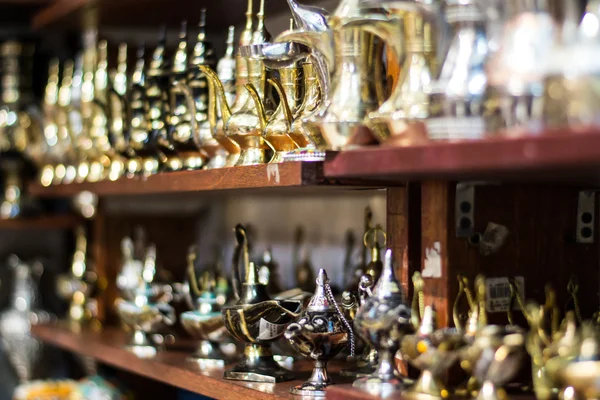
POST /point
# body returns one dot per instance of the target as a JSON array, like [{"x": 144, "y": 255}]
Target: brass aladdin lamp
[
  {"x": 257, "y": 320},
  {"x": 205, "y": 322},
  {"x": 148, "y": 310},
  {"x": 79, "y": 286},
  {"x": 383, "y": 321},
  {"x": 320, "y": 333}
]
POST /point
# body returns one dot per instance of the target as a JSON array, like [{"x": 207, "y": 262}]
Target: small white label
[
  {"x": 273, "y": 172},
  {"x": 498, "y": 293},
  {"x": 433, "y": 262},
  {"x": 493, "y": 239},
  {"x": 268, "y": 330}
]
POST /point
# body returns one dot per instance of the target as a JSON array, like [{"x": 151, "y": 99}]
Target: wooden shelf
[
  {"x": 171, "y": 367},
  {"x": 75, "y": 14},
  {"x": 290, "y": 175},
  {"x": 20, "y": 12},
  {"x": 571, "y": 157},
  {"x": 42, "y": 222}
]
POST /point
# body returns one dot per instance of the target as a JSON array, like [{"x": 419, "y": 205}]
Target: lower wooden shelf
[
  {"x": 171, "y": 367},
  {"x": 64, "y": 221}
]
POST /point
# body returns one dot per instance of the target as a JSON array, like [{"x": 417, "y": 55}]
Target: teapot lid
[
  {"x": 388, "y": 285},
  {"x": 321, "y": 299}
]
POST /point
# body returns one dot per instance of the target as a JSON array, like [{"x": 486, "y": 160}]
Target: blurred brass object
[
  {"x": 549, "y": 353},
  {"x": 433, "y": 351},
  {"x": 158, "y": 151},
  {"x": 138, "y": 122},
  {"x": 98, "y": 124},
  {"x": 182, "y": 120},
  {"x": 144, "y": 320},
  {"x": 117, "y": 110},
  {"x": 582, "y": 373},
  {"x": 47, "y": 172},
  {"x": 201, "y": 89},
  {"x": 418, "y": 305},
  {"x": 216, "y": 124},
  {"x": 383, "y": 321},
  {"x": 278, "y": 130},
  {"x": 371, "y": 241},
  {"x": 320, "y": 333},
  {"x": 310, "y": 104},
  {"x": 256, "y": 320},
  {"x": 79, "y": 287},
  {"x": 496, "y": 355},
  {"x": 457, "y": 98},
  {"x": 522, "y": 32},
  {"x": 226, "y": 68},
  {"x": 409, "y": 29},
  {"x": 205, "y": 322},
  {"x": 463, "y": 290},
  {"x": 303, "y": 270}
]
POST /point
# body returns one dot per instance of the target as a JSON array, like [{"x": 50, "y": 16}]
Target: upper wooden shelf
[
  {"x": 171, "y": 367},
  {"x": 77, "y": 14},
  {"x": 566, "y": 157},
  {"x": 20, "y": 12},
  {"x": 290, "y": 175},
  {"x": 42, "y": 222}
]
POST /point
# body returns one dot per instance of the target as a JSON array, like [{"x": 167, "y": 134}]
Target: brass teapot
[
  {"x": 408, "y": 27},
  {"x": 350, "y": 63}
]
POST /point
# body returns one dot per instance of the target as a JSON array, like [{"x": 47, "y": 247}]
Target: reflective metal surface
[
  {"x": 320, "y": 333},
  {"x": 22, "y": 349},
  {"x": 383, "y": 321}
]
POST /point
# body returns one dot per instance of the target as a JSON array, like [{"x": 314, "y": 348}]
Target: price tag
[
  {"x": 268, "y": 330},
  {"x": 498, "y": 293}
]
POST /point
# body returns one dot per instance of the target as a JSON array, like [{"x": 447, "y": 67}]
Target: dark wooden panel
[
  {"x": 48, "y": 222},
  {"x": 74, "y": 14},
  {"x": 565, "y": 156},
  {"x": 170, "y": 367},
  {"x": 541, "y": 246}
]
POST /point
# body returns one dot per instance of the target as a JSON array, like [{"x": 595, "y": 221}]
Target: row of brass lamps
[{"x": 372, "y": 321}]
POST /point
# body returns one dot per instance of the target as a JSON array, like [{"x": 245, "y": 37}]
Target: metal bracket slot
[
  {"x": 586, "y": 217},
  {"x": 464, "y": 210}
]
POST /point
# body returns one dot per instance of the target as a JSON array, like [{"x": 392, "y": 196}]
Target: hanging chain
[
  {"x": 572, "y": 289},
  {"x": 344, "y": 320}
]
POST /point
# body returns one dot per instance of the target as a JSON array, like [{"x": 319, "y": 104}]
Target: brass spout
[
  {"x": 287, "y": 112},
  {"x": 191, "y": 271},
  {"x": 219, "y": 92},
  {"x": 191, "y": 105},
  {"x": 260, "y": 107}
]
